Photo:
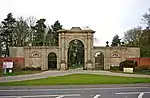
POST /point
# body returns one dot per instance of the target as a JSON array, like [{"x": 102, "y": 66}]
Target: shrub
[
  {"x": 31, "y": 68},
  {"x": 114, "y": 68},
  {"x": 127, "y": 64}
]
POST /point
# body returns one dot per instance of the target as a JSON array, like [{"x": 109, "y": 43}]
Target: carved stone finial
[{"x": 107, "y": 44}]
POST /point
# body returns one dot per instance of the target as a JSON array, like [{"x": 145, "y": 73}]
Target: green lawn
[
  {"x": 23, "y": 72},
  {"x": 137, "y": 71},
  {"x": 144, "y": 72},
  {"x": 79, "y": 79}
]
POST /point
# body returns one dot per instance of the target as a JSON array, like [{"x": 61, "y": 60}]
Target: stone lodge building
[{"x": 94, "y": 57}]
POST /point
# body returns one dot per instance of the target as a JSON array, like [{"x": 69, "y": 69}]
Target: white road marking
[
  {"x": 97, "y": 96},
  {"x": 127, "y": 93},
  {"x": 71, "y": 89},
  {"x": 140, "y": 95},
  {"x": 71, "y": 95},
  {"x": 57, "y": 96},
  {"x": 60, "y": 96},
  {"x": 131, "y": 93}
]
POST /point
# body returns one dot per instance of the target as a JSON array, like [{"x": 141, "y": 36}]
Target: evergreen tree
[
  {"x": 57, "y": 26},
  {"x": 145, "y": 43},
  {"x": 50, "y": 38},
  {"x": 116, "y": 41},
  {"x": 39, "y": 29},
  {"x": 1, "y": 41},
  {"x": 7, "y": 35},
  {"x": 145, "y": 36}
]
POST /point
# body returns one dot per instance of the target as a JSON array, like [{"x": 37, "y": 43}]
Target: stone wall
[
  {"x": 16, "y": 51},
  {"x": 114, "y": 55},
  {"x": 37, "y": 56}
]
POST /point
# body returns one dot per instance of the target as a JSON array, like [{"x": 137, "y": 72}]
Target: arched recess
[
  {"x": 99, "y": 60},
  {"x": 52, "y": 61},
  {"x": 71, "y": 39},
  {"x": 75, "y": 54}
]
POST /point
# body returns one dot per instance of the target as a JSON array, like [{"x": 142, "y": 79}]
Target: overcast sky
[{"x": 106, "y": 17}]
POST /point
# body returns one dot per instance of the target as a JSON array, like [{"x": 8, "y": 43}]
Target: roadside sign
[{"x": 7, "y": 65}]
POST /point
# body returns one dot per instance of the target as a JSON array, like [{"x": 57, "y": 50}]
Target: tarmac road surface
[{"x": 79, "y": 91}]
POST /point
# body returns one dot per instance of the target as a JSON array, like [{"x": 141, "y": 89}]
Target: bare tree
[
  {"x": 146, "y": 18},
  {"x": 132, "y": 36},
  {"x": 21, "y": 31},
  {"x": 31, "y": 21}
]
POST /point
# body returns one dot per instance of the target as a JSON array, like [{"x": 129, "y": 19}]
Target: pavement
[
  {"x": 77, "y": 91},
  {"x": 55, "y": 73}
]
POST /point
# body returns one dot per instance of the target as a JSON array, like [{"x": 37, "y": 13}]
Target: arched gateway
[
  {"x": 83, "y": 36},
  {"x": 76, "y": 54}
]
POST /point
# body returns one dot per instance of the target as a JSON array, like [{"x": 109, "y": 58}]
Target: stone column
[
  {"x": 63, "y": 63},
  {"x": 59, "y": 51},
  {"x": 46, "y": 57},
  {"x": 85, "y": 58},
  {"x": 43, "y": 58},
  {"x": 89, "y": 60},
  {"x": 107, "y": 59},
  {"x": 62, "y": 48},
  {"x": 92, "y": 52},
  {"x": 27, "y": 56}
]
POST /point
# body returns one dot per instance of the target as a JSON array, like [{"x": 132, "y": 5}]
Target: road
[{"x": 113, "y": 91}]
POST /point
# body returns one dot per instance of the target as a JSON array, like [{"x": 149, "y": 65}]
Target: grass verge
[
  {"x": 23, "y": 72},
  {"x": 141, "y": 72},
  {"x": 79, "y": 79},
  {"x": 145, "y": 71}
]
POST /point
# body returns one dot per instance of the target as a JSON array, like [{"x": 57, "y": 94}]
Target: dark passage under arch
[
  {"x": 99, "y": 60},
  {"x": 76, "y": 54},
  {"x": 52, "y": 61}
]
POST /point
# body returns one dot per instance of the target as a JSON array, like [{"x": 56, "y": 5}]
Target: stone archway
[
  {"x": 75, "y": 54},
  {"x": 52, "y": 61},
  {"x": 99, "y": 60},
  {"x": 76, "y": 33}
]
